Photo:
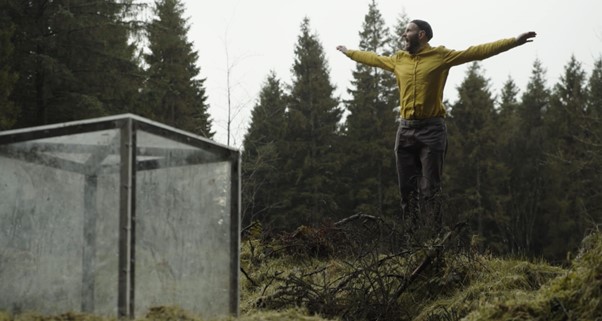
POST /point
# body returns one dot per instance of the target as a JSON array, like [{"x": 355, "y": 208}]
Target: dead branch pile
[{"x": 366, "y": 269}]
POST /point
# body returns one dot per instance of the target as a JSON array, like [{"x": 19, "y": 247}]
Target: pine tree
[
  {"x": 369, "y": 170},
  {"x": 73, "y": 58},
  {"x": 261, "y": 157},
  {"x": 174, "y": 93},
  {"x": 311, "y": 138}
]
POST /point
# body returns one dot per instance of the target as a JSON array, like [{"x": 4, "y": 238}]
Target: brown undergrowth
[{"x": 365, "y": 270}]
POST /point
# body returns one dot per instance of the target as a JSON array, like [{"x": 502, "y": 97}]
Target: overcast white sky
[{"x": 252, "y": 37}]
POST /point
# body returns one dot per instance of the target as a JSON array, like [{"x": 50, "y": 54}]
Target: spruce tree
[
  {"x": 471, "y": 167},
  {"x": 594, "y": 89},
  {"x": 261, "y": 158},
  {"x": 527, "y": 175},
  {"x": 592, "y": 139},
  {"x": 508, "y": 105},
  {"x": 520, "y": 139},
  {"x": 395, "y": 41},
  {"x": 369, "y": 170},
  {"x": 45, "y": 82},
  {"x": 311, "y": 137},
  {"x": 566, "y": 163},
  {"x": 506, "y": 124},
  {"x": 8, "y": 78},
  {"x": 395, "y": 44},
  {"x": 74, "y": 59},
  {"x": 174, "y": 92}
]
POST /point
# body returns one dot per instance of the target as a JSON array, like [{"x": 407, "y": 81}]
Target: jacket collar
[{"x": 425, "y": 48}]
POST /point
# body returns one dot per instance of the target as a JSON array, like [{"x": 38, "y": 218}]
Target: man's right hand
[{"x": 526, "y": 37}]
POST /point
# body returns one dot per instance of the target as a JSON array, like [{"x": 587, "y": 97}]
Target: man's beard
[{"x": 412, "y": 45}]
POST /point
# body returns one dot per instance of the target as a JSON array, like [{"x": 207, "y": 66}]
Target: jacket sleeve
[
  {"x": 372, "y": 59},
  {"x": 479, "y": 52}
]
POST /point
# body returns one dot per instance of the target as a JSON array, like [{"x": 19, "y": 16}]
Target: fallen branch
[
  {"x": 357, "y": 217},
  {"x": 248, "y": 277}
]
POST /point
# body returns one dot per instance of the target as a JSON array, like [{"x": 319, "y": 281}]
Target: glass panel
[
  {"x": 59, "y": 224},
  {"x": 183, "y": 241}
]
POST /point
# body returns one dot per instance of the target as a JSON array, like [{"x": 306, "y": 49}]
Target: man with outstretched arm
[{"x": 421, "y": 143}]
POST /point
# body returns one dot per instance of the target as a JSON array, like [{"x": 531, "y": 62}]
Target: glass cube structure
[{"x": 115, "y": 215}]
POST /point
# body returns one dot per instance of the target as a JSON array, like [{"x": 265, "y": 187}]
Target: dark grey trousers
[{"x": 420, "y": 149}]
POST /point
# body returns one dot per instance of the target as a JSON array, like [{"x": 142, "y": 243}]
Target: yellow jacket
[{"x": 421, "y": 77}]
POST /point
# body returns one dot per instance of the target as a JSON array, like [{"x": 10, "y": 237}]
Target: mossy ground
[
  {"x": 575, "y": 294},
  {"x": 173, "y": 314},
  {"x": 471, "y": 287}
]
